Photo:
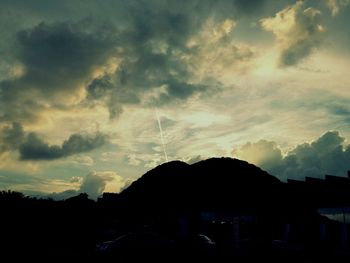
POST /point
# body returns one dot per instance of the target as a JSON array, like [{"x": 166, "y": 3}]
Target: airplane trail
[{"x": 161, "y": 135}]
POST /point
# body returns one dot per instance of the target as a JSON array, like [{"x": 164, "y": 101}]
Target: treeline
[{"x": 43, "y": 228}]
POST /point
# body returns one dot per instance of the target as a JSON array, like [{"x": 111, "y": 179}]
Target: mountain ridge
[{"x": 215, "y": 182}]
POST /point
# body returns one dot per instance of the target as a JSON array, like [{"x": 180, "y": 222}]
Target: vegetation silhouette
[{"x": 210, "y": 211}]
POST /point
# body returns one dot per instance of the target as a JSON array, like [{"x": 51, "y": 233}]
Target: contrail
[{"x": 161, "y": 135}]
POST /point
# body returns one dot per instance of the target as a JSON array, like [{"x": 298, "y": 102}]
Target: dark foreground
[
  {"x": 82, "y": 229},
  {"x": 244, "y": 214}
]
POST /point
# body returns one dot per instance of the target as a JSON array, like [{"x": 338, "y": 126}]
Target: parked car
[{"x": 132, "y": 247}]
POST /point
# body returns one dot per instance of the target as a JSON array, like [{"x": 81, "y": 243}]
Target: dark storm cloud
[
  {"x": 151, "y": 50},
  {"x": 34, "y": 148},
  {"x": 147, "y": 39},
  {"x": 56, "y": 60},
  {"x": 155, "y": 48},
  {"x": 62, "y": 51},
  {"x": 326, "y": 155}
]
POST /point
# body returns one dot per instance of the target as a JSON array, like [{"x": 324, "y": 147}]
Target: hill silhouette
[{"x": 216, "y": 183}]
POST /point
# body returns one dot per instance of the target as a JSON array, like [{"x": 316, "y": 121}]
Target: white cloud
[
  {"x": 326, "y": 155},
  {"x": 262, "y": 153},
  {"x": 95, "y": 183},
  {"x": 298, "y": 32}
]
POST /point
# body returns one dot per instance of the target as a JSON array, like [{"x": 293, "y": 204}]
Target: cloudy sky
[{"x": 95, "y": 93}]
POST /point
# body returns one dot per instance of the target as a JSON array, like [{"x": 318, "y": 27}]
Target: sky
[{"x": 95, "y": 93}]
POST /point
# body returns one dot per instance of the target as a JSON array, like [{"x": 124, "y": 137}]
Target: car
[{"x": 132, "y": 247}]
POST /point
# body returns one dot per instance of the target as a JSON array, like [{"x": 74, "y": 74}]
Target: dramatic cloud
[
  {"x": 53, "y": 63},
  {"x": 298, "y": 32},
  {"x": 161, "y": 54},
  {"x": 326, "y": 155},
  {"x": 151, "y": 62},
  {"x": 34, "y": 148},
  {"x": 168, "y": 53}
]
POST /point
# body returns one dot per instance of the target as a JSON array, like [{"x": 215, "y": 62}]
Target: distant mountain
[{"x": 216, "y": 183}]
